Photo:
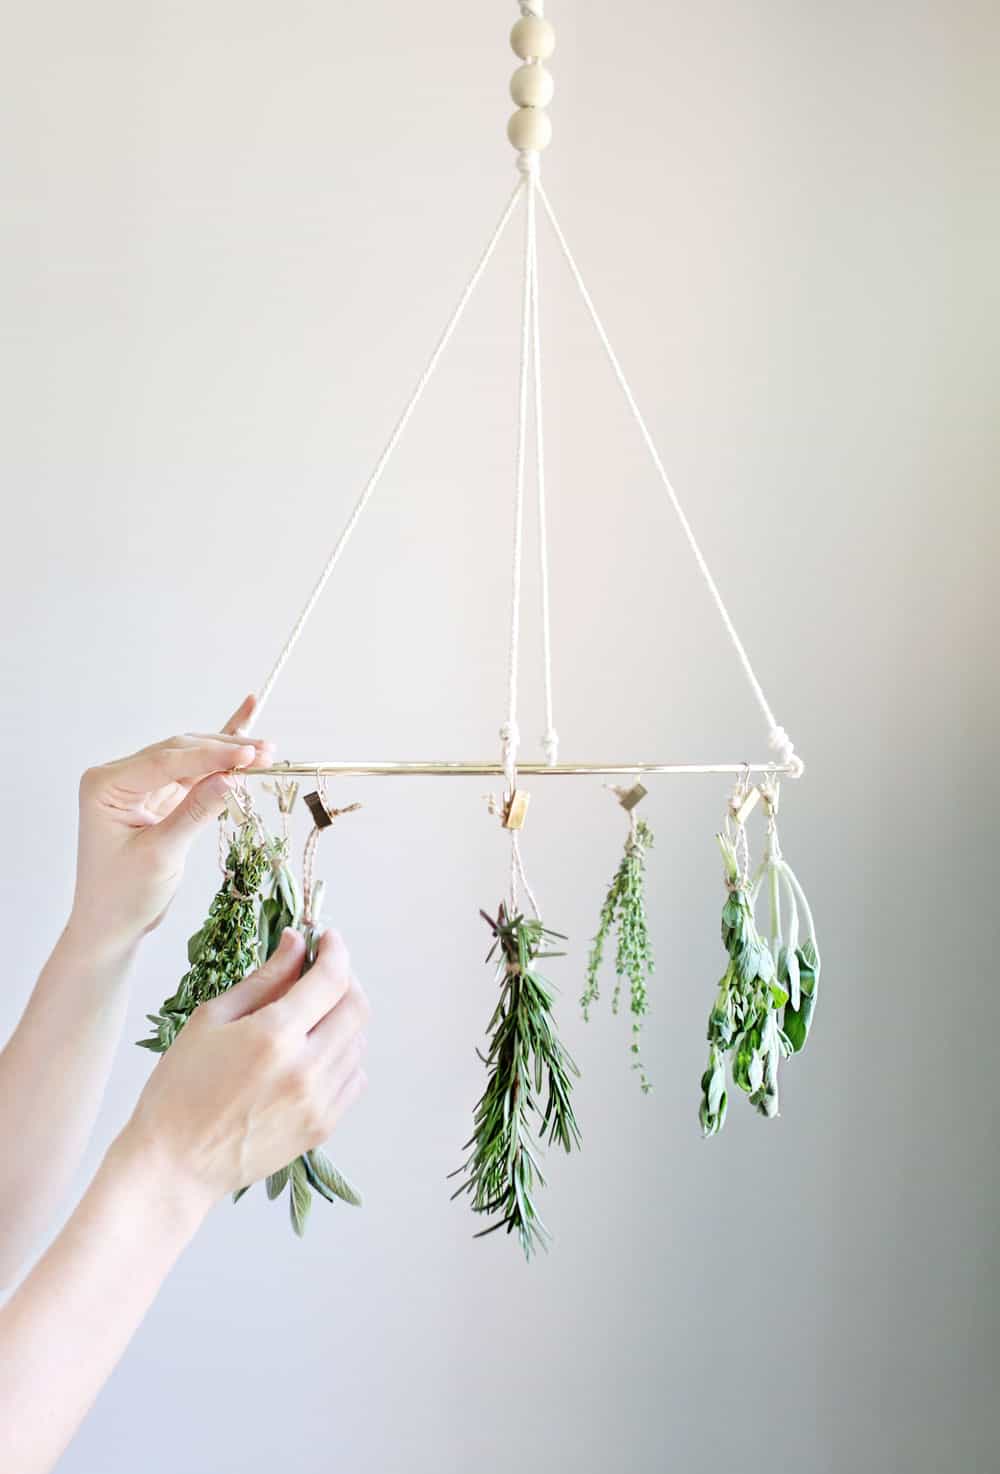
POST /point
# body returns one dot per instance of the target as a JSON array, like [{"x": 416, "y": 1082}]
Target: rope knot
[
  {"x": 781, "y": 744},
  {"x": 528, "y": 163},
  {"x": 550, "y": 746}
]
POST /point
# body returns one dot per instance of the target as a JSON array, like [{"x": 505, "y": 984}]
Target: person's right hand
[{"x": 260, "y": 1074}]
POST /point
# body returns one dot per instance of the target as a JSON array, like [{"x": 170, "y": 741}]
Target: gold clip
[
  {"x": 516, "y": 810},
  {"x": 630, "y": 797}
]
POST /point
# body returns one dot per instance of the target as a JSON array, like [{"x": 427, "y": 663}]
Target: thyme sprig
[
  {"x": 526, "y": 1063},
  {"x": 625, "y": 908}
]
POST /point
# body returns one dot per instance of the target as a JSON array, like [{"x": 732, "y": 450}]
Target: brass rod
[{"x": 495, "y": 770}]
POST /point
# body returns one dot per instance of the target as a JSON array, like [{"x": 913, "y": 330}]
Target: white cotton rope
[
  {"x": 550, "y": 738},
  {"x": 509, "y": 733},
  {"x": 385, "y": 457},
  {"x": 778, "y": 739}
]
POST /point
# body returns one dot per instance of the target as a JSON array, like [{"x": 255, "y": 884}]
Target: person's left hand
[{"x": 138, "y": 818}]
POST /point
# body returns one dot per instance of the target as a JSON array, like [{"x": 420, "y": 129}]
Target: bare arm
[
  {"x": 257, "y": 1076},
  {"x": 138, "y": 818}
]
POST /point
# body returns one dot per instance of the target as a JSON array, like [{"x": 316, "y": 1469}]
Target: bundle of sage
[
  {"x": 744, "y": 1017},
  {"x": 313, "y": 1171},
  {"x": 793, "y": 932},
  {"x": 625, "y": 908},
  {"x": 526, "y": 1063}
]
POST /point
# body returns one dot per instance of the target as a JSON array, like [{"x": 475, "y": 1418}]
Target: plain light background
[{"x": 231, "y": 235}]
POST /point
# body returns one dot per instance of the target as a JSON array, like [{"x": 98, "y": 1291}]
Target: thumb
[
  {"x": 269, "y": 983},
  {"x": 204, "y": 803}
]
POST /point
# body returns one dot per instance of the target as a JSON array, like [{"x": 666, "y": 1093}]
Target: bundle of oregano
[
  {"x": 526, "y": 1065},
  {"x": 625, "y": 907}
]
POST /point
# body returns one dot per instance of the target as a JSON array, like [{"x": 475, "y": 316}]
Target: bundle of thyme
[
  {"x": 625, "y": 906},
  {"x": 526, "y": 1063},
  {"x": 224, "y": 949},
  {"x": 744, "y": 1017}
]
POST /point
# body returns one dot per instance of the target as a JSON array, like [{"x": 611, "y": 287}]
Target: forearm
[
  {"x": 63, "y": 1332},
  {"x": 52, "y": 1077}
]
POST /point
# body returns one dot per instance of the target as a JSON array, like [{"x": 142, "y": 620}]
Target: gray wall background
[{"x": 231, "y": 234}]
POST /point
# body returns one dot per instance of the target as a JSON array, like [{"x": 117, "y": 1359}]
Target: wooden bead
[
  {"x": 533, "y": 38},
  {"x": 532, "y": 86},
  {"x": 530, "y": 129}
]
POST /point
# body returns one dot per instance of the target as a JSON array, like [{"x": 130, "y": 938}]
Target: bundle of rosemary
[
  {"x": 625, "y": 907},
  {"x": 526, "y": 1063}
]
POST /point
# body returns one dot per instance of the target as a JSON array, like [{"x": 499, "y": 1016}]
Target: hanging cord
[
  {"x": 778, "y": 739},
  {"x": 550, "y": 739},
  {"x": 384, "y": 458},
  {"x": 510, "y": 736}
]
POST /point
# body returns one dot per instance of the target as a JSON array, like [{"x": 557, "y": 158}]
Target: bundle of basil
[
  {"x": 625, "y": 907},
  {"x": 526, "y": 1062},
  {"x": 235, "y": 939},
  {"x": 793, "y": 932}
]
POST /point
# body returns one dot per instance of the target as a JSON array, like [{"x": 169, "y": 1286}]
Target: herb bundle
[
  {"x": 312, "y": 1172},
  {"x": 744, "y": 1017},
  {"x": 625, "y": 908},
  {"x": 235, "y": 939},
  {"x": 526, "y": 1062},
  {"x": 793, "y": 933},
  {"x": 224, "y": 949}
]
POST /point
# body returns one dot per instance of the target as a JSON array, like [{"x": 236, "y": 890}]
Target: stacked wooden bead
[{"x": 531, "y": 87}]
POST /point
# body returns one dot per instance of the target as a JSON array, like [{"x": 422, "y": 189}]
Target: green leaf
[
  {"x": 331, "y": 1178},
  {"x": 276, "y": 1182},
  {"x": 300, "y": 1200},
  {"x": 238, "y": 1194}
]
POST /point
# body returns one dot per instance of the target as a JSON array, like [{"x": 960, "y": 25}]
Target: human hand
[
  {"x": 138, "y": 818},
  {"x": 258, "y": 1075}
]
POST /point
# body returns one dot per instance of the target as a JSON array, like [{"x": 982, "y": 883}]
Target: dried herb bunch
[
  {"x": 526, "y": 1063},
  {"x": 744, "y": 1017},
  {"x": 625, "y": 908},
  {"x": 313, "y": 1171},
  {"x": 224, "y": 949},
  {"x": 793, "y": 933},
  {"x": 235, "y": 939}
]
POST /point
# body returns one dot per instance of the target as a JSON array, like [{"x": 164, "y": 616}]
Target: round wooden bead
[
  {"x": 532, "y": 86},
  {"x": 533, "y": 38},
  {"x": 530, "y": 129}
]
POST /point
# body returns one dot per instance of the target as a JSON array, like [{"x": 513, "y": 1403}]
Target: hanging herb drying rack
[{"x": 768, "y": 984}]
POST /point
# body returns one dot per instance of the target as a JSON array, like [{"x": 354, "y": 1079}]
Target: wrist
[
  {"x": 92, "y": 945},
  {"x": 140, "y": 1156}
]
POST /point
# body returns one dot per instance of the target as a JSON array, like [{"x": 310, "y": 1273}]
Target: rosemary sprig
[
  {"x": 744, "y": 1017},
  {"x": 526, "y": 1062},
  {"x": 625, "y": 906},
  {"x": 224, "y": 949}
]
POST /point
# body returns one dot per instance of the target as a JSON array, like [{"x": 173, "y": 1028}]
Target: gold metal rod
[{"x": 495, "y": 770}]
